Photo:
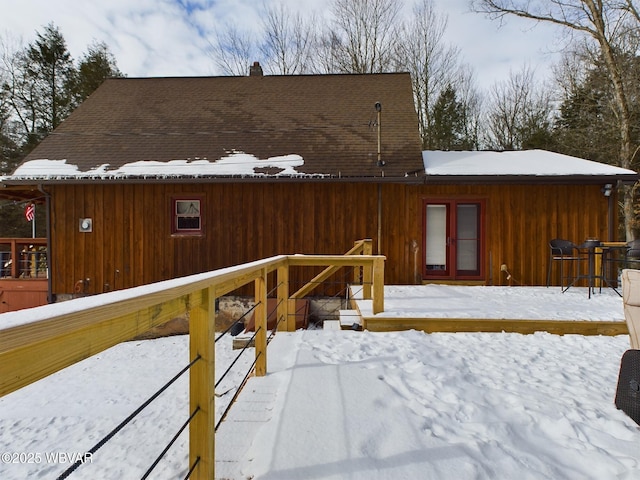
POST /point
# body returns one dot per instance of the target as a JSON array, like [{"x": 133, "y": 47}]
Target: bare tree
[
  {"x": 604, "y": 22},
  {"x": 361, "y": 37},
  {"x": 234, "y": 51},
  {"x": 288, "y": 38},
  {"x": 519, "y": 115},
  {"x": 434, "y": 66},
  {"x": 473, "y": 102},
  {"x": 9, "y": 128},
  {"x": 431, "y": 62}
]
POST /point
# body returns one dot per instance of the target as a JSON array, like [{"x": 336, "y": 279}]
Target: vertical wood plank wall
[{"x": 131, "y": 243}]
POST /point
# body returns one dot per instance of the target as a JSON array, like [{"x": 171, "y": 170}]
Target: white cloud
[{"x": 171, "y": 38}]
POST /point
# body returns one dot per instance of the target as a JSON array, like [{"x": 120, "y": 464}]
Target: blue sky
[{"x": 172, "y": 37}]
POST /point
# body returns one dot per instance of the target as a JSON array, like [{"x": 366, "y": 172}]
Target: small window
[{"x": 187, "y": 216}]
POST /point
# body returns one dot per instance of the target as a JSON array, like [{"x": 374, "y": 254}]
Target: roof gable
[{"x": 256, "y": 126}]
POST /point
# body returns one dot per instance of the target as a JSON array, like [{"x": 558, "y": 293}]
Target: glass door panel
[
  {"x": 468, "y": 239},
  {"x": 436, "y": 239}
]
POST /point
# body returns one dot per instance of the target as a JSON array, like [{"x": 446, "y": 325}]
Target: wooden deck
[{"x": 453, "y": 311}]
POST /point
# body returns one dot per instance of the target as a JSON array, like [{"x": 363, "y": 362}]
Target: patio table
[
  {"x": 609, "y": 249},
  {"x": 595, "y": 250}
]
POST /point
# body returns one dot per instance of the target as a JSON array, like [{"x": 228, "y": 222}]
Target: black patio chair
[
  {"x": 626, "y": 258},
  {"x": 632, "y": 255},
  {"x": 564, "y": 251}
]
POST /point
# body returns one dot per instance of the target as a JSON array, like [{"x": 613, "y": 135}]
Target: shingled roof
[{"x": 265, "y": 127}]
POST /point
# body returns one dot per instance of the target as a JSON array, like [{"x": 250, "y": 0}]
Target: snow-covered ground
[
  {"x": 361, "y": 405},
  {"x": 345, "y": 404}
]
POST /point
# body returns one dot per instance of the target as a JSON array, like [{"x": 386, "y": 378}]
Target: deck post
[
  {"x": 367, "y": 280},
  {"x": 201, "y": 386},
  {"x": 284, "y": 320},
  {"x": 359, "y": 244},
  {"x": 378, "y": 285},
  {"x": 367, "y": 249},
  {"x": 367, "y": 246},
  {"x": 261, "y": 323}
]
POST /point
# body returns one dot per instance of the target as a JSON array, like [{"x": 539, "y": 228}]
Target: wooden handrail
[
  {"x": 363, "y": 247},
  {"x": 55, "y": 338}
]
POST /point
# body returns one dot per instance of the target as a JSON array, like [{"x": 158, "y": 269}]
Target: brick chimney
[{"x": 255, "y": 70}]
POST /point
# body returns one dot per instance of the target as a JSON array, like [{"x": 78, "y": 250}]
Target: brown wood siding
[
  {"x": 131, "y": 243},
  {"x": 521, "y": 219}
]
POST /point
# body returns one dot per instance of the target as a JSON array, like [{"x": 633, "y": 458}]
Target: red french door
[{"x": 453, "y": 231}]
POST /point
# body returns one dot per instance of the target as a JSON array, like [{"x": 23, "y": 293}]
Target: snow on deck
[{"x": 485, "y": 302}]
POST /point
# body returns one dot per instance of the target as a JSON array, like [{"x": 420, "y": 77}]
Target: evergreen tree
[
  {"x": 93, "y": 68},
  {"x": 48, "y": 73},
  {"x": 40, "y": 86},
  {"x": 449, "y": 128},
  {"x": 584, "y": 127}
]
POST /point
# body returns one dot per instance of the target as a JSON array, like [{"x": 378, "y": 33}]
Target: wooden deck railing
[
  {"x": 23, "y": 258},
  {"x": 55, "y": 337}
]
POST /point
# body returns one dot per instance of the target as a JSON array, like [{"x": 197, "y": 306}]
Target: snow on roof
[
  {"x": 236, "y": 163},
  {"x": 539, "y": 163},
  {"x": 525, "y": 162}
]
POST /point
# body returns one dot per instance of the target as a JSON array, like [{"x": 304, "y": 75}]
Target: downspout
[
  {"x": 612, "y": 202},
  {"x": 47, "y": 197},
  {"x": 379, "y": 219},
  {"x": 610, "y": 215},
  {"x": 380, "y": 164}
]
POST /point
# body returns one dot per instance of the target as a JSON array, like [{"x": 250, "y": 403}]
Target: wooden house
[{"x": 155, "y": 178}]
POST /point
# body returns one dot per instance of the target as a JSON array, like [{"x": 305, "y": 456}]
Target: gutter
[
  {"x": 418, "y": 177},
  {"x": 528, "y": 179},
  {"x": 408, "y": 178}
]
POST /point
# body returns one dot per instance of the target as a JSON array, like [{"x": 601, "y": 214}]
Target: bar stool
[{"x": 564, "y": 251}]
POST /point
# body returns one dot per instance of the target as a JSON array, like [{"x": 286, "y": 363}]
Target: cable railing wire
[
  {"x": 278, "y": 322},
  {"x": 236, "y": 322},
  {"x": 244, "y": 380},
  {"x": 296, "y": 312},
  {"x": 242, "y": 317},
  {"x": 126, "y": 421},
  {"x": 249, "y": 342},
  {"x": 193, "y": 467},
  {"x": 171, "y": 442},
  {"x": 226, "y": 372}
]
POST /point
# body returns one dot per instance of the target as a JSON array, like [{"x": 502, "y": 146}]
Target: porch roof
[{"x": 518, "y": 166}]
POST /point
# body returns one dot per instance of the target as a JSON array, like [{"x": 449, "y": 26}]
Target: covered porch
[{"x": 24, "y": 273}]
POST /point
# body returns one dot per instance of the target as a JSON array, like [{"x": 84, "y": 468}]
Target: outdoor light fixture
[
  {"x": 607, "y": 189},
  {"x": 85, "y": 225}
]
